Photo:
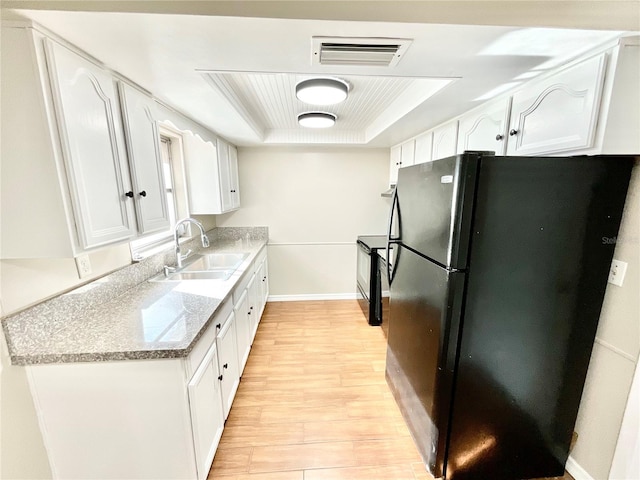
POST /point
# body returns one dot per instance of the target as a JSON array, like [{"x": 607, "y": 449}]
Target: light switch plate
[
  {"x": 83, "y": 264},
  {"x": 616, "y": 274}
]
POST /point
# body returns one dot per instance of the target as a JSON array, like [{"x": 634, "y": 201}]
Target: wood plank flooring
[{"x": 313, "y": 403}]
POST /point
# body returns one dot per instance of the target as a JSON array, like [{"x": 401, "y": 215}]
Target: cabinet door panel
[
  {"x": 559, "y": 113},
  {"x": 228, "y": 362},
  {"x": 445, "y": 140},
  {"x": 203, "y": 177},
  {"x": 225, "y": 176},
  {"x": 143, "y": 142},
  {"x": 207, "y": 420},
  {"x": 243, "y": 330},
  {"x": 424, "y": 145},
  {"x": 485, "y": 129},
  {"x": 407, "y": 153},
  {"x": 255, "y": 294},
  {"x": 394, "y": 164},
  {"x": 86, "y": 105},
  {"x": 234, "y": 179}
]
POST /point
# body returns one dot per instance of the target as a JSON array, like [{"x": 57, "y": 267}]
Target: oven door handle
[{"x": 395, "y": 206}]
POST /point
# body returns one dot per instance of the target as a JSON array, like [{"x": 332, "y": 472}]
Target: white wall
[
  {"x": 315, "y": 201},
  {"x": 615, "y": 353}
]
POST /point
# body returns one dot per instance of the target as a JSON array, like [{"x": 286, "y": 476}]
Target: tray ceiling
[
  {"x": 252, "y": 65},
  {"x": 269, "y": 104}
]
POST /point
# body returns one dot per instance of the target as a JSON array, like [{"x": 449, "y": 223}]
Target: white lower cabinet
[
  {"x": 243, "y": 330},
  {"x": 159, "y": 418},
  {"x": 207, "y": 416},
  {"x": 228, "y": 362},
  {"x": 253, "y": 289}
]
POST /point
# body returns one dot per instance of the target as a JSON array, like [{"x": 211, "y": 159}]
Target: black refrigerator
[{"x": 500, "y": 265}]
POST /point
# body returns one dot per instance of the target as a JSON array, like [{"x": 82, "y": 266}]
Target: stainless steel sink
[
  {"x": 215, "y": 261},
  {"x": 183, "y": 275}
]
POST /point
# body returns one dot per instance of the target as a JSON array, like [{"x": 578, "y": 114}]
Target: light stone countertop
[{"x": 99, "y": 322}]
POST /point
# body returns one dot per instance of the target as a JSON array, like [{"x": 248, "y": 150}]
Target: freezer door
[
  {"x": 434, "y": 208},
  {"x": 424, "y": 316}
]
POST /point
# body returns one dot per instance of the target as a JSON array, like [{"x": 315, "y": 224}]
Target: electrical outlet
[
  {"x": 616, "y": 274},
  {"x": 83, "y": 264}
]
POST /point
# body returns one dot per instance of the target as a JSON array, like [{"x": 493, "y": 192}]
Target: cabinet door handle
[
  {"x": 249, "y": 312},
  {"x": 220, "y": 378},
  {"x": 499, "y": 137},
  {"x": 513, "y": 132},
  {"x": 250, "y": 308},
  {"x": 219, "y": 325},
  {"x": 143, "y": 193},
  {"x": 129, "y": 194},
  {"x": 226, "y": 365}
]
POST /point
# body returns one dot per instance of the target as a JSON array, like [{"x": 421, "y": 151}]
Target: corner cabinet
[
  {"x": 559, "y": 113},
  {"x": 212, "y": 175}
]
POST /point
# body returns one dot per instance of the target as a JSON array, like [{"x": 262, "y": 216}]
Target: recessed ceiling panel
[{"x": 270, "y": 101}]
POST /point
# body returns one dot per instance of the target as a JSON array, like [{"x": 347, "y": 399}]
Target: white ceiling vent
[{"x": 368, "y": 52}]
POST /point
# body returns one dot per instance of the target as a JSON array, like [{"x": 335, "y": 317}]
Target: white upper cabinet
[
  {"x": 445, "y": 140},
  {"x": 143, "y": 146},
  {"x": 424, "y": 145},
  {"x": 394, "y": 164},
  {"x": 94, "y": 150},
  {"x": 234, "y": 180},
  {"x": 559, "y": 113},
  {"x": 212, "y": 175},
  {"x": 407, "y": 153},
  {"x": 401, "y": 156},
  {"x": 485, "y": 129}
]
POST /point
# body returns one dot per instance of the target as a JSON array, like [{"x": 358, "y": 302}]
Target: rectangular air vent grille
[{"x": 376, "y": 52}]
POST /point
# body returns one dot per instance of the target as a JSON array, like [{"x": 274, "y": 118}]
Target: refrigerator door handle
[{"x": 394, "y": 205}]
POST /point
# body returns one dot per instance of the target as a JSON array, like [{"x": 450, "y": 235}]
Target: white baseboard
[
  {"x": 312, "y": 296},
  {"x": 576, "y": 470}
]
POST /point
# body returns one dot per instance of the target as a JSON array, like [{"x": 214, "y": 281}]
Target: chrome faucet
[{"x": 176, "y": 237}]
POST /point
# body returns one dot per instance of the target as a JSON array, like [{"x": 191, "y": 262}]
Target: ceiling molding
[{"x": 587, "y": 14}]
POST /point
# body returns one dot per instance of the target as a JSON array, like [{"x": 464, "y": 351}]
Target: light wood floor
[{"x": 313, "y": 403}]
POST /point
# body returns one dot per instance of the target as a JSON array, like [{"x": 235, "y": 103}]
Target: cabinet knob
[
  {"x": 226, "y": 365},
  {"x": 143, "y": 193},
  {"x": 220, "y": 378},
  {"x": 513, "y": 132},
  {"x": 219, "y": 325},
  {"x": 249, "y": 312},
  {"x": 129, "y": 194},
  {"x": 250, "y": 308},
  {"x": 499, "y": 137}
]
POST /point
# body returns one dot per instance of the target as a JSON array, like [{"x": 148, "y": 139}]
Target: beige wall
[
  {"x": 615, "y": 352},
  {"x": 315, "y": 201}
]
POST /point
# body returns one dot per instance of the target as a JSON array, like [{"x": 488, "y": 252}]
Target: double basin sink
[{"x": 212, "y": 266}]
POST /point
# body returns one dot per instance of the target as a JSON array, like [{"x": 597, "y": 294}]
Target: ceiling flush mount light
[
  {"x": 317, "y": 119},
  {"x": 322, "y": 91}
]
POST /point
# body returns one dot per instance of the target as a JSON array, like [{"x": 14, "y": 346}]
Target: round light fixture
[
  {"x": 322, "y": 91},
  {"x": 317, "y": 119}
]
